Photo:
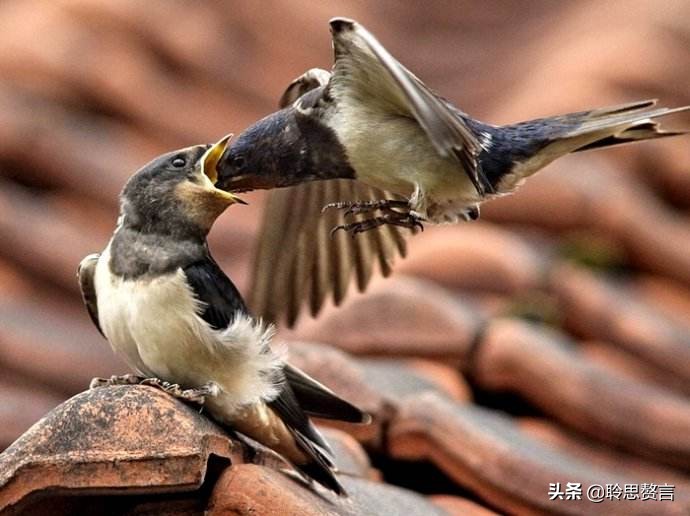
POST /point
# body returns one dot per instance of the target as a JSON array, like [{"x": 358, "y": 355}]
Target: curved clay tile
[
  {"x": 400, "y": 316},
  {"x": 162, "y": 453},
  {"x": 489, "y": 455},
  {"x": 378, "y": 385},
  {"x": 546, "y": 369},
  {"x": 136, "y": 439},
  {"x": 248, "y": 489}
]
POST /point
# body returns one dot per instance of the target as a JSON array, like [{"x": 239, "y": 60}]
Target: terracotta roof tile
[
  {"x": 474, "y": 256},
  {"x": 36, "y": 238},
  {"x": 488, "y": 454},
  {"x": 670, "y": 297},
  {"x": 394, "y": 317},
  {"x": 345, "y": 377},
  {"x": 22, "y": 403},
  {"x": 547, "y": 370},
  {"x": 114, "y": 150},
  {"x": 38, "y": 340},
  {"x": 89, "y": 91},
  {"x": 93, "y": 442},
  {"x": 599, "y": 455},
  {"x": 597, "y": 308},
  {"x": 350, "y": 457},
  {"x": 456, "y": 506},
  {"x": 622, "y": 361},
  {"x": 375, "y": 385},
  {"x": 400, "y": 378},
  {"x": 248, "y": 489}
]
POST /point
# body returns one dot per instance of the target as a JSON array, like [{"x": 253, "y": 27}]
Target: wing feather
[
  {"x": 382, "y": 75},
  {"x": 319, "y": 401},
  {"x": 309, "y": 80},
  {"x": 85, "y": 275},
  {"x": 220, "y": 298},
  {"x": 297, "y": 262}
]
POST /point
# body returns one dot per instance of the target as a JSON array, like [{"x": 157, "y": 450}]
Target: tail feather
[
  {"x": 620, "y": 121},
  {"x": 628, "y": 107},
  {"x": 644, "y": 131},
  {"x": 522, "y": 149},
  {"x": 320, "y": 468},
  {"x": 319, "y": 401},
  {"x": 315, "y": 459}
]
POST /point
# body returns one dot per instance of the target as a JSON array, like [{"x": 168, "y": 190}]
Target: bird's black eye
[
  {"x": 178, "y": 163},
  {"x": 238, "y": 161}
]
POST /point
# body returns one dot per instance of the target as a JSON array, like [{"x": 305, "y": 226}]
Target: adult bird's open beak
[{"x": 209, "y": 161}]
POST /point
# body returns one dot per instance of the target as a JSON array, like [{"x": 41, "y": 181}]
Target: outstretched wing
[
  {"x": 309, "y": 80},
  {"x": 85, "y": 275},
  {"x": 298, "y": 262},
  {"x": 364, "y": 67}
]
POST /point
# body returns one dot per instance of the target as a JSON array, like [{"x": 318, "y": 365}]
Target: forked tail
[{"x": 529, "y": 146}]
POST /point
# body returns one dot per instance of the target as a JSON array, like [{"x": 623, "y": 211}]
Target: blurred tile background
[{"x": 564, "y": 312}]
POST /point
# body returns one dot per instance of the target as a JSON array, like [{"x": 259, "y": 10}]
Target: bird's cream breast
[
  {"x": 113, "y": 314},
  {"x": 154, "y": 324},
  {"x": 151, "y": 323},
  {"x": 393, "y": 153}
]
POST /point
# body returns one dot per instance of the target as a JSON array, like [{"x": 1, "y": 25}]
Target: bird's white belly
[
  {"x": 393, "y": 153},
  {"x": 153, "y": 324}
]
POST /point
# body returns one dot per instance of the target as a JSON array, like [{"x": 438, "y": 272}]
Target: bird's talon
[
  {"x": 98, "y": 382},
  {"x": 125, "y": 379},
  {"x": 336, "y": 229},
  {"x": 197, "y": 396}
]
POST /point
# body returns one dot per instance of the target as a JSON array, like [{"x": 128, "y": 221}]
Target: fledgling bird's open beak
[{"x": 209, "y": 162}]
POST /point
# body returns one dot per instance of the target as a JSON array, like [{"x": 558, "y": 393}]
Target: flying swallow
[{"x": 415, "y": 159}]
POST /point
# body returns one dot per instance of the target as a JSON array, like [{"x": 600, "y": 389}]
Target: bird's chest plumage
[
  {"x": 151, "y": 322},
  {"x": 393, "y": 153},
  {"x": 154, "y": 323}
]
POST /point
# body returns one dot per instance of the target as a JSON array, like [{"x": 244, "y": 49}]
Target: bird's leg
[
  {"x": 406, "y": 220},
  {"x": 125, "y": 379},
  {"x": 197, "y": 395},
  {"x": 354, "y": 207},
  {"x": 395, "y": 212},
  {"x": 471, "y": 213}
]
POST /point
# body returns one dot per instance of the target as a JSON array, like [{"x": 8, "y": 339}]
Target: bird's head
[
  {"x": 249, "y": 163},
  {"x": 176, "y": 194},
  {"x": 266, "y": 155}
]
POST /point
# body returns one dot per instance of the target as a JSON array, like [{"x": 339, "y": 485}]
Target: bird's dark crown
[
  {"x": 283, "y": 149},
  {"x": 149, "y": 203},
  {"x": 166, "y": 211}
]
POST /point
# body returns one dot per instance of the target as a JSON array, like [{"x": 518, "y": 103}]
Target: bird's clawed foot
[
  {"x": 409, "y": 221},
  {"x": 352, "y": 208},
  {"x": 395, "y": 212},
  {"x": 197, "y": 395},
  {"x": 125, "y": 379}
]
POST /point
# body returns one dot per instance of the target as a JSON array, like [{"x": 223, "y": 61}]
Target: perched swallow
[
  {"x": 373, "y": 121},
  {"x": 168, "y": 309}
]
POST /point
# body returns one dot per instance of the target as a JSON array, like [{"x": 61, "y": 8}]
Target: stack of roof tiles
[{"x": 547, "y": 344}]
